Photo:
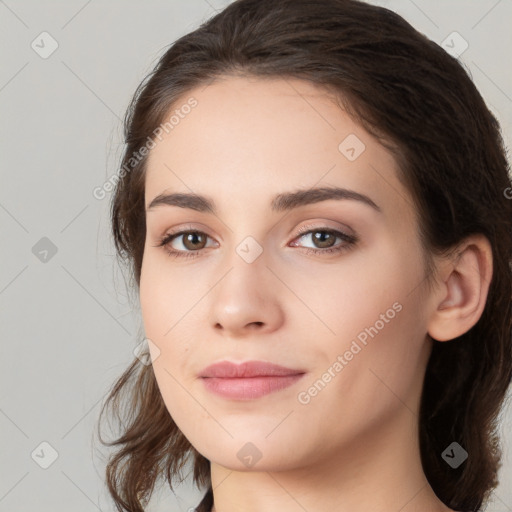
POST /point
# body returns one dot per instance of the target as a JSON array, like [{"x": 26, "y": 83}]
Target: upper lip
[{"x": 227, "y": 369}]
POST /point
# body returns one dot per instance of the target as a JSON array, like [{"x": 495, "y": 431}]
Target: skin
[{"x": 354, "y": 446}]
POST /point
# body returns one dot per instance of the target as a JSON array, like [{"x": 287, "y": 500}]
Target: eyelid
[
  {"x": 186, "y": 228},
  {"x": 323, "y": 225}
]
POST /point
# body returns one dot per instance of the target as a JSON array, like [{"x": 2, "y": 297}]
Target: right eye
[{"x": 192, "y": 242}]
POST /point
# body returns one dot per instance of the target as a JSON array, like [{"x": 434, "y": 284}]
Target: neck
[{"x": 380, "y": 471}]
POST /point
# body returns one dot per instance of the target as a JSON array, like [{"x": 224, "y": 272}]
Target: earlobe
[{"x": 460, "y": 300}]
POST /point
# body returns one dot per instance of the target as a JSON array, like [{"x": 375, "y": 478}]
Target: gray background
[{"x": 68, "y": 324}]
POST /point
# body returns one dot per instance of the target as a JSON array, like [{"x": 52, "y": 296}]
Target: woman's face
[{"x": 247, "y": 284}]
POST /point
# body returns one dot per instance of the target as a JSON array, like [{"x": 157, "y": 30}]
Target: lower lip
[{"x": 249, "y": 388}]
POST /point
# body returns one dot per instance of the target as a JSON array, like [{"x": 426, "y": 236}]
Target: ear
[{"x": 461, "y": 296}]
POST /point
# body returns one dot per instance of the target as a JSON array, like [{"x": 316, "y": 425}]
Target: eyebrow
[{"x": 281, "y": 202}]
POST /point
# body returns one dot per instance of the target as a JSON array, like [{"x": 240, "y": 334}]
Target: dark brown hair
[{"x": 419, "y": 102}]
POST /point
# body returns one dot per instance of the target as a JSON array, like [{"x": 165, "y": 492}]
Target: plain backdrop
[{"x": 68, "y": 328}]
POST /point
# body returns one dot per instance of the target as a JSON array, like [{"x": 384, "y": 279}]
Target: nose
[{"x": 247, "y": 299}]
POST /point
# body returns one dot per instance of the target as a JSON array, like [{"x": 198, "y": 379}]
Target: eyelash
[{"x": 349, "y": 240}]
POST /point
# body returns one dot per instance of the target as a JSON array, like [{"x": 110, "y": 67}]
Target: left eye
[{"x": 324, "y": 240}]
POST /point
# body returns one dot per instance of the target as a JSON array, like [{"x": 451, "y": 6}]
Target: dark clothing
[{"x": 207, "y": 502}]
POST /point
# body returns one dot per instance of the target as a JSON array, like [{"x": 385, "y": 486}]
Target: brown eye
[
  {"x": 184, "y": 243},
  {"x": 194, "y": 240},
  {"x": 323, "y": 239}
]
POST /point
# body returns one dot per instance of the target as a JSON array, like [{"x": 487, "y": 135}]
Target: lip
[
  {"x": 227, "y": 369},
  {"x": 248, "y": 380}
]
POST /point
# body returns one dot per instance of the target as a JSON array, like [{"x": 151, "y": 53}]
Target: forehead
[{"x": 250, "y": 138}]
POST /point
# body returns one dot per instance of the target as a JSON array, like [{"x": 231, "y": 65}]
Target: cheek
[
  {"x": 352, "y": 296},
  {"x": 169, "y": 302},
  {"x": 375, "y": 312},
  {"x": 359, "y": 386},
  {"x": 165, "y": 297},
  {"x": 164, "y": 305}
]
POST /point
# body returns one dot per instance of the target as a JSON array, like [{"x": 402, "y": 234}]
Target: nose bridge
[
  {"x": 247, "y": 264},
  {"x": 246, "y": 238},
  {"x": 246, "y": 294}
]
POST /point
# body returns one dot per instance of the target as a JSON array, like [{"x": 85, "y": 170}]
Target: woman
[{"x": 313, "y": 204}]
